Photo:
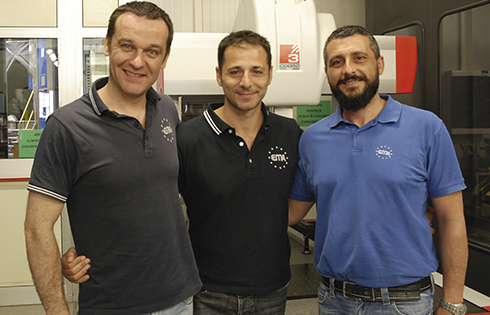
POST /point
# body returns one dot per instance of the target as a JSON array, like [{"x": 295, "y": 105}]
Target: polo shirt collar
[
  {"x": 152, "y": 97},
  {"x": 390, "y": 113},
  {"x": 219, "y": 126}
]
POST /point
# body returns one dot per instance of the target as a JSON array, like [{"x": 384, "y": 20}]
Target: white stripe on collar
[
  {"x": 211, "y": 122},
  {"x": 92, "y": 100}
]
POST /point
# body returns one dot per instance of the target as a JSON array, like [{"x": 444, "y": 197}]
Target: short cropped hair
[
  {"x": 142, "y": 9},
  {"x": 243, "y": 37},
  {"x": 350, "y": 30}
]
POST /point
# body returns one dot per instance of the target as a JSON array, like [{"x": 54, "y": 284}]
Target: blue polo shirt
[{"x": 371, "y": 186}]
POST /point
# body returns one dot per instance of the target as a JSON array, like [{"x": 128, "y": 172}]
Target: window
[
  {"x": 28, "y": 92},
  {"x": 465, "y": 106},
  {"x": 95, "y": 63}
]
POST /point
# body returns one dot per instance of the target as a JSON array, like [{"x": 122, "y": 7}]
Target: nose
[
  {"x": 137, "y": 60},
  {"x": 246, "y": 81},
  {"x": 349, "y": 68}
]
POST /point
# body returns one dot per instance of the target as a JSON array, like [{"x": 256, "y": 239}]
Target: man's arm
[
  {"x": 43, "y": 252},
  {"x": 298, "y": 210},
  {"x": 453, "y": 245}
]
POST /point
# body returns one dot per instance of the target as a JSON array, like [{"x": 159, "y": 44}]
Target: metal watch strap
[{"x": 456, "y": 309}]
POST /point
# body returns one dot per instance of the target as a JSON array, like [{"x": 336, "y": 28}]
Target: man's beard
[{"x": 359, "y": 101}]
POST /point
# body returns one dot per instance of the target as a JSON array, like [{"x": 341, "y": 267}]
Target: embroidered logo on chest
[
  {"x": 167, "y": 130},
  {"x": 278, "y": 158},
  {"x": 383, "y": 152}
]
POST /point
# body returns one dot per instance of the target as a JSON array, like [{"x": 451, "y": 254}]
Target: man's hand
[{"x": 75, "y": 267}]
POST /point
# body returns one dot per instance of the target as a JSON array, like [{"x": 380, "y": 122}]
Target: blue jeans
[
  {"x": 182, "y": 308},
  {"x": 213, "y": 303},
  {"x": 337, "y": 304}
]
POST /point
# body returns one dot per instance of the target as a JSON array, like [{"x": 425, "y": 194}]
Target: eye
[
  {"x": 153, "y": 52},
  {"x": 335, "y": 63}
]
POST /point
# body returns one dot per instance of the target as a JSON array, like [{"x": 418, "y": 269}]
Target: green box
[
  {"x": 28, "y": 141},
  {"x": 307, "y": 115}
]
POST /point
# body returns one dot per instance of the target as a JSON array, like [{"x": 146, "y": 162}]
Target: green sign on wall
[
  {"x": 28, "y": 141},
  {"x": 307, "y": 115}
]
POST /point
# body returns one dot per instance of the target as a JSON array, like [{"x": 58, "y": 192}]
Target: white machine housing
[{"x": 296, "y": 33}]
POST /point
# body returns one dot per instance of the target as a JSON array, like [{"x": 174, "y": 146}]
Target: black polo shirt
[
  {"x": 119, "y": 181},
  {"x": 237, "y": 201}
]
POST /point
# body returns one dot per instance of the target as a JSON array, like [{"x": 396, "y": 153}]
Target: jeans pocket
[
  {"x": 188, "y": 301},
  {"x": 424, "y": 306},
  {"x": 202, "y": 293},
  {"x": 322, "y": 292}
]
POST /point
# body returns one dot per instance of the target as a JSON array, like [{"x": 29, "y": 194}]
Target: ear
[
  {"x": 270, "y": 75},
  {"x": 381, "y": 65},
  {"x": 218, "y": 76},
  {"x": 164, "y": 63},
  {"x": 107, "y": 49}
]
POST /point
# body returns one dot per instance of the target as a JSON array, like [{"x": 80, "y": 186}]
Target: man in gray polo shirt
[{"x": 112, "y": 157}]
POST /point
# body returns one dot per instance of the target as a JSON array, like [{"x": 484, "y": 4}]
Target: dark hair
[
  {"x": 243, "y": 37},
  {"x": 350, "y": 30},
  {"x": 143, "y": 9}
]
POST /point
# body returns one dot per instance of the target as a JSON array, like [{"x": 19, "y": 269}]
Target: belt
[{"x": 408, "y": 292}]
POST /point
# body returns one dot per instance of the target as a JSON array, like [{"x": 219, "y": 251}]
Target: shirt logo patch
[
  {"x": 383, "y": 152},
  {"x": 167, "y": 130},
  {"x": 278, "y": 158}
]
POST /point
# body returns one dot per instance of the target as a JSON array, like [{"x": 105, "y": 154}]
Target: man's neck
[
  {"x": 246, "y": 123},
  {"x": 368, "y": 113},
  {"x": 123, "y": 104}
]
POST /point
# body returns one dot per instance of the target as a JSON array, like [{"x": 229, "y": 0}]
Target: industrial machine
[{"x": 297, "y": 34}]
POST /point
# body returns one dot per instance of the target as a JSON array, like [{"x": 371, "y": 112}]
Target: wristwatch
[{"x": 456, "y": 309}]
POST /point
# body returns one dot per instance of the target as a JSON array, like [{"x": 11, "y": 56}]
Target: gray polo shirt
[{"x": 119, "y": 181}]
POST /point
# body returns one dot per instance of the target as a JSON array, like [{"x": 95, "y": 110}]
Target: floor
[{"x": 305, "y": 305}]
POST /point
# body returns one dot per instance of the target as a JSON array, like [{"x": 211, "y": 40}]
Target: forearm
[
  {"x": 298, "y": 210},
  {"x": 454, "y": 258},
  {"x": 44, "y": 261},
  {"x": 43, "y": 253},
  {"x": 453, "y": 245}
]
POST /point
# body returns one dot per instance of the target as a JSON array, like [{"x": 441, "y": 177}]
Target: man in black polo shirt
[{"x": 237, "y": 163}]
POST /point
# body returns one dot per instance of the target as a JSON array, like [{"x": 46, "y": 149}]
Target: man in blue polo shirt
[{"x": 370, "y": 168}]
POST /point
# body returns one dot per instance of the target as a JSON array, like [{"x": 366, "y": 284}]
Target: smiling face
[
  {"x": 137, "y": 53},
  {"x": 244, "y": 76},
  {"x": 353, "y": 71}
]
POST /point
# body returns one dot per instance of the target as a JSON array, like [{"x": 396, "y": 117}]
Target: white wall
[{"x": 33, "y": 13}]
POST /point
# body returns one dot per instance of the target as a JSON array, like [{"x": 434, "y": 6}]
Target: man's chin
[{"x": 352, "y": 91}]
